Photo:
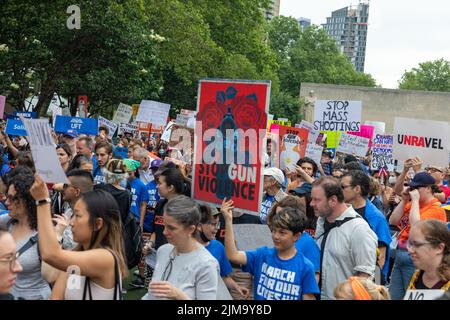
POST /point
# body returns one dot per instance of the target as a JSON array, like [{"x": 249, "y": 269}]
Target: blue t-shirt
[
  {"x": 98, "y": 176},
  {"x": 217, "y": 250},
  {"x": 276, "y": 279},
  {"x": 309, "y": 248},
  {"x": 138, "y": 195},
  {"x": 265, "y": 207},
  {"x": 153, "y": 198},
  {"x": 5, "y": 169}
]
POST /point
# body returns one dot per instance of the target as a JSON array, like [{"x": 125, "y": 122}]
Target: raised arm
[
  {"x": 235, "y": 256},
  {"x": 92, "y": 263}
]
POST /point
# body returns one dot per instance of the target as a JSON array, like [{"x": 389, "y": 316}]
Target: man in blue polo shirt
[{"x": 356, "y": 185}]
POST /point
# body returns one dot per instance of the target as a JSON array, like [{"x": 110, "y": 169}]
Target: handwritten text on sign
[
  {"x": 382, "y": 153},
  {"x": 337, "y": 115},
  {"x": 350, "y": 144}
]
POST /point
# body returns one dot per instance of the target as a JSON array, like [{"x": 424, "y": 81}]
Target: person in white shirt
[{"x": 347, "y": 243}]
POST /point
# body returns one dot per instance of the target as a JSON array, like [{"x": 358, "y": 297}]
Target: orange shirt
[{"x": 431, "y": 210}]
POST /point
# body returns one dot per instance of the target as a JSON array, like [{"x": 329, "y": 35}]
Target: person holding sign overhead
[{"x": 429, "y": 247}]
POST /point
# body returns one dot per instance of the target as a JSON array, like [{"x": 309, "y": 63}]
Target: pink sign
[
  {"x": 366, "y": 131},
  {"x": 2, "y": 106}
]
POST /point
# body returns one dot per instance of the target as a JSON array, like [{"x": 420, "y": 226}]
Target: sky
[{"x": 401, "y": 33}]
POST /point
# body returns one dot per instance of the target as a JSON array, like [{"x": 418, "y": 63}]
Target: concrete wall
[{"x": 386, "y": 104}]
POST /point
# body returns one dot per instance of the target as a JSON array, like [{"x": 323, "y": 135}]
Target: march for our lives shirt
[
  {"x": 153, "y": 198},
  {"x": 98, "y": 176},
  {"x": 309, "y": 248},
  {"x": 276, "y": 279},
  {"x": 138, "y": 195},
  {"x": 217, "y": 250},
  {"x": 265, "y": 207}
]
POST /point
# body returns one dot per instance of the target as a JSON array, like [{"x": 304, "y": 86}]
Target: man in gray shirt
[{"x": 348, "y": 245}]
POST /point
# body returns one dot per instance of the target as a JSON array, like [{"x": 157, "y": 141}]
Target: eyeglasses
[
  {"x": 12, "y": 261},
  {"x": 12, "y": 198},
  {"x": 214, "y": 224},
  {"x": 433, "y": 170},
  {"x": 343, "y": 187},
  {"x": 415, "y": 245}
]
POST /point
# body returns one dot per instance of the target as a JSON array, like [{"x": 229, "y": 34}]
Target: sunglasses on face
[{"x": 12, "y": 198}]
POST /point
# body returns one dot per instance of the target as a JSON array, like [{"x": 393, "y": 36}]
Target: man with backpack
[{"x": 347, "y": 244}]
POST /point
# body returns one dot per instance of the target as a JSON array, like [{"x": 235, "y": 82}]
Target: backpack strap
[
  {"x": 337, "y": 223},
  {"x": 31, "y": 242}
]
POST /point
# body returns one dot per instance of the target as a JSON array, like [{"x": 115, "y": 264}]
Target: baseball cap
[
  {"x": 116, "y": 166},
  {"x": 155, "y": 164},
  {"x": 327, "y": 153},
  {"x": 276, "y": 173},
  {"x": 422, "y": 179},
  {"x": 440, "y": 169},
  {"x": 350, "y": 158},
  {"x": 131, "y": 164},
  {"x": 303, "y": 189},
  {"x": 71, "y": 133}
]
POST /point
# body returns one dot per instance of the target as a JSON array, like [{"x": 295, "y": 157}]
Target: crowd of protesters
[{"x": 339, "y": 230}]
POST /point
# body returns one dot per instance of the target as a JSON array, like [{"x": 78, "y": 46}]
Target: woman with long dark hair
[{"x": 97, "y": 264}]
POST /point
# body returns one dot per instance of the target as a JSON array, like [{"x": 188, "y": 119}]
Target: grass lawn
[{"x": 132, "y": 293}]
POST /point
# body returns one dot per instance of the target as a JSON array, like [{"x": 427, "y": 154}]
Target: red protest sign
[
  {"x": 229, "y": 140},
  {"x": 292, "y": 144}
]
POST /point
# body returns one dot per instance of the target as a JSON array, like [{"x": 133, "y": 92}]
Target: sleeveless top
[{"x": 76, "y": 287}]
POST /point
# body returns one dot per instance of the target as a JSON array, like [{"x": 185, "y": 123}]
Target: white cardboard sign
[
  {"x": 427, "y": 139},
  {"x": 153, "y": 112},
  {"x": 314, "y": 151},
  {"x": 432, "y": 294},
  {"x": 129, "y": 128},
  {"x": 107, "y": 123},
  {"x": 43, "y": 150},
  {"x": 123, "y": 113},
  {"x": 337, "y": 115},
  {"x": 252, "y": 236},
  {"x": 350, "y": 144},
  {"x": 313, "y": 133}
]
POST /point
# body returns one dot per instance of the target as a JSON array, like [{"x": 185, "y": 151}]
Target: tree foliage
[{"x": 430, "y": 76}]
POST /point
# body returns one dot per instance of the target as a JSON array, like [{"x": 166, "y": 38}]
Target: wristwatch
[{"x": 43, "y": 201}]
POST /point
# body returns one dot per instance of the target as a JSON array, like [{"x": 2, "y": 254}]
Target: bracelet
[{"x": 43, "y": 201}]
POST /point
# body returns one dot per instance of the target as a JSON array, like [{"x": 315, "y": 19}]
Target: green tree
[
  {"x": 316, "y": 58},
  {"x": 430, "y": 75},
  {"x": 110, "y": 59},
  {"x": 283, "y": 32},
  {"x": 282, "y": 104}
]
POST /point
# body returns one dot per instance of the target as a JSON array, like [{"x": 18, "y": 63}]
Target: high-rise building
[
  {"x": 273, "y": 10},
  {"x": 348, "y": 26},
  {"x": 304, "y": 23}
]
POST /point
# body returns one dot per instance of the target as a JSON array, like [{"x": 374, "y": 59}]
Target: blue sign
[
  {"x": 15, "y": 128},
  {"x": 121, "y": 151},
  {"x": 80, "y": 125},
  {"x": 25, "y": 114}
]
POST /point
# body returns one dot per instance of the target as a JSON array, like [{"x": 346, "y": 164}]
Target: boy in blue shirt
[
  {"x": 139, "y": 195},
  {"x": 282, "y": 272}
]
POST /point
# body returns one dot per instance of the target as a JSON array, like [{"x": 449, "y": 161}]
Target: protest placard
[
  {"x": 429, "y": 294},
  {"x": 80, "y": 125},
  {"x": 337, "y": 115},
  {"x": 43, "y": 151},
  {"x": 127, "y": 128},
  {"x": 313, "y": 133},
  {"x": 332, "y": 138},
  {"x": 379, "y": 127},
  {"x": 25, "y": 114},
  {"x": 121, "y": 151},
  {"x": 427, "y": 139},
  {"x": 382, "y": 153},
  {"x": 123, "y": 114},
  {"x": 283, "y": 119},
  {"x": 366, "y": 131},
  {"x": 165, "y": 136},
  {"x": 229, "y": 144},
  {"x": 350, "y": 144},
  {"x": 292, "y": 144},
  {"x": 2, "y": 106},
  {"x": 153, "y": 112},
  {"x": 182, "y": 119},
  {"x": 15, "y": 127},
  {"x": 112, "y": 127},
  {"x": 314, "y": 151},
  {"x": 279, "y": 123},
  {"x": 187, "y": 112},
  {"x": 252, "y": 236}
]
